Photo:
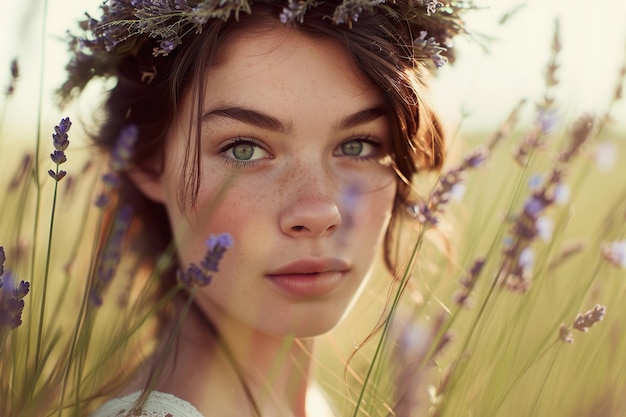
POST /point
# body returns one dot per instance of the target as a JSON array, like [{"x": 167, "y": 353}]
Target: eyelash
[
  {"x": 366, "y": 140},
  {"x": 240, "y": 140}
]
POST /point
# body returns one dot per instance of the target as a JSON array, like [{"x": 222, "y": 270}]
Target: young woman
[{"x": 294, "y": 127}]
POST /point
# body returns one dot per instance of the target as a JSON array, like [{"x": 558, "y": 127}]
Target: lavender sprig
[
  {"x": 468, "y": 282},
  {"x": 446, "y": 188},
  {"x": 15, "y": 74},
  {"x": 60, "y": 142},
  {"x": 532, "y": 222},
  {"x": 110, "y": 255},
  {"x": 3, "y": 258},
  {"x": 12, "y": 301},
  {"x": 119, "y": 158},
  {"x": 123, "y": 24},
  {"x": 350, "y": 10},
  {"x": 202, "y": 274},
  {"x": 582, "y": 323},
  {"x": 295, "y": 11},
  {"x": 11, "y": 298},
  {"x": 546, "y": 116},
  {"x": 432, "y": 49}
]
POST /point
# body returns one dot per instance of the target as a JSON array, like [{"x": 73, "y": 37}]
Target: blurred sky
[{"x": 484, "y": 84}]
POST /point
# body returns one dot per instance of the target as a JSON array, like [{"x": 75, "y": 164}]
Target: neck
[{"x": 219, "y": 374}]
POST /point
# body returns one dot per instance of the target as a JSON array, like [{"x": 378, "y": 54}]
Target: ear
[{"x": 148, "y": 183}]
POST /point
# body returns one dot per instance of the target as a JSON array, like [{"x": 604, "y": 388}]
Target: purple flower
[
  {"x": 294, "y": 12},
  {"x": 12, "y": 301},
  {"x": 350, "y": 10},
  {"x": 615, "y": 253},
  {"x": 544, "y": 227},
  {"x": 60, "y": 143},
  {"x": 111, "y": 255},
  {"x": 59, "y": 137},
  {"x": 534, "y": 206},
  {"x": 535, "y": 182},
  {"x": 15, "y": 73},
  {"x": 119, "y": 159},
  {"x": 561, "y": 193},
  {"x": 429, "y": 47},
  {"x": 2, "y": 259},
  {"x": 199, "y": 276},
  {"x": 526, "y": 258},
  {"x": 121, "y": 154}
]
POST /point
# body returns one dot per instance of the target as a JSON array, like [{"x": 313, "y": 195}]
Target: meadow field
[{"x": 510, "y": 299}]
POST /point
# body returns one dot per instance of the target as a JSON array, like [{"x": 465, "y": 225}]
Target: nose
[{"x": 310, "y": 208}]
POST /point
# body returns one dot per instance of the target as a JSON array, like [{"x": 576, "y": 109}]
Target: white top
[
  {"x": 162, "y": 404},
  {"x": 158, "y": 404}
]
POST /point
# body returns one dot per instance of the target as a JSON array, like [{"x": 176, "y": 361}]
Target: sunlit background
[{"x": 504, "y": 63}]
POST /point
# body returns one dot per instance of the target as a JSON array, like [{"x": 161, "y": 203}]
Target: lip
[{"x": 309, "y": 277}]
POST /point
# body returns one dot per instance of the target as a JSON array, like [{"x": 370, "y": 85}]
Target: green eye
[
  {"x": 243, "y": 151},
  {"x": 352, "y": 148},
  {"x": 359, "y": 148}
]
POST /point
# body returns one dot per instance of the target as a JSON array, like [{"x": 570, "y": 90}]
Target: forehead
[{"x": 273, "y": 63}]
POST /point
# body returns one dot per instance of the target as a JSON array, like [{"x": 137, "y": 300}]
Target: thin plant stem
[
  {"x": 388, "y": 319},
  {"x": 36, "y": 178},
  {"x": 44, "y": 293}
]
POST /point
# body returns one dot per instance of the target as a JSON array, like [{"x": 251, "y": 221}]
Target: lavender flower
[
  {"x": 118, "y": 160},
  {"x": 544, "y": 227},
  {"x": 199, "y": 276},
  {"x": 294, "y": 12},
  {"x": 60, "y": 142},
  {"x": 111, "y": 255},
  {"x": 531, "y": 222},
  {"x": 2, "y": 259},
  {"x": 15, "y": 73},
  {"x": 12, "y": 301},
  {"x": 579, "y": 135},
  {"x": 615, "y": 253},
  {"x": 468, "y": 282},
  {"x": 545, "y": 115},
  {"x": 431, "y": 6},
  {"x": 565, "y": 334},
  {"x": 447, "y": 188},
  {"x": 350, "y": 10},
  {"x": 430, "y": 48},
  {"x": 582, "y": 323},
  {"x": 561, "y": 193}
]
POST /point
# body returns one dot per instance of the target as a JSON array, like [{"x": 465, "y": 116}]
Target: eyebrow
[{"x": 265, "y": 121}]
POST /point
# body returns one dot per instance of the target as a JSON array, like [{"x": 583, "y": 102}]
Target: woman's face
[{"x": 293, "y": 142}]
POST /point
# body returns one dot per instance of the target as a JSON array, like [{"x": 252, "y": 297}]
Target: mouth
[{"x": 309, "y": 277}]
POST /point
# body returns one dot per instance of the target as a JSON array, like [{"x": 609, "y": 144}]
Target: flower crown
[{"x": 125, "y": 24}]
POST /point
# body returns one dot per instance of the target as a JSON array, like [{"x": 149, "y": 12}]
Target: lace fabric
[
  {"x": 159, "y": 404},
  {"x": 162, "y": 404}
]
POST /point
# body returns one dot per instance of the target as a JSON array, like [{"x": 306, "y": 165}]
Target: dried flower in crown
[{"x": 125, "y": 25}]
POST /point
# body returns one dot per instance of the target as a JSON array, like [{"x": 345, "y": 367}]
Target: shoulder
[{"x": 158, "y": 404}]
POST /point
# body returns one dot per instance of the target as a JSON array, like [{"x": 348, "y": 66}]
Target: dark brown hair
[{"x": 149, "y": 90}]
